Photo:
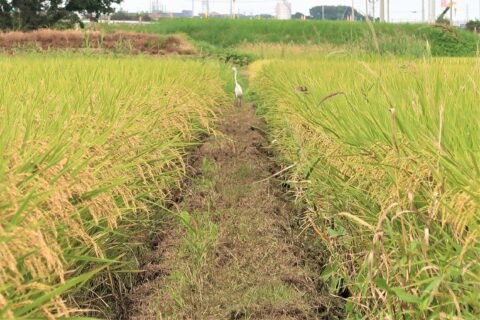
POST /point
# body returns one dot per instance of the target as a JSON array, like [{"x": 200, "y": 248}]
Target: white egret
[{"x": 238, "y": 90}]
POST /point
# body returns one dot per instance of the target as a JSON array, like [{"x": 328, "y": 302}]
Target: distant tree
[
  {"x": 6, "y": 21},
  {"x": 473, "y": 25},
  {"x": 92, "y": 8},
  {"x": 298, "y": 16},
  {"x": 125, "y": 16},
  {"x": 55, "y": 13},
  {"x": 265, "y": 16},
  {"x": 34, "y": 14},
  {"x": 26, "y": 14},
  {"x": 121, "y": 16},
  {"x": 334, "y": 13}
]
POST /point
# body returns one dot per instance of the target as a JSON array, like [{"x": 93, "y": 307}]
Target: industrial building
[{"x": 283, "y": 10}]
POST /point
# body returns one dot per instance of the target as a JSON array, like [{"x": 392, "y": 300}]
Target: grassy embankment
[
  {"x": 386, "y": 155},
  {"x": 90, "y": 150},
  {"x": 397, "y": 39}
]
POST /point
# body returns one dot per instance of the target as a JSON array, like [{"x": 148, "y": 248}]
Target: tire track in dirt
[{"x": 235, "y": 252}]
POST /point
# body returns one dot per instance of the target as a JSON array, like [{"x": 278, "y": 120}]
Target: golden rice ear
[{"x": 86, "y": 163}]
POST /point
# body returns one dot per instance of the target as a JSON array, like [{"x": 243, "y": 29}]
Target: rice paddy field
[
  {"x": 345, "y": 187},
  {"x": 90, "y": 149},
  {"x": 385, "y": 154}
]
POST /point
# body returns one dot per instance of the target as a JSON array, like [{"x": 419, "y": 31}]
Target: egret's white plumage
[{"x": 238, "y": 89}]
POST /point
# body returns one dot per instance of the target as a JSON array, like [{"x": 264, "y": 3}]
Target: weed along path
[{"x": 233, "y": 253}]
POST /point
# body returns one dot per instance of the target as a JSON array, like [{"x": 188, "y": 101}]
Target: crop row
[
  {"x": 386, "y": 155},
  {"x": 89, "y": 149}
]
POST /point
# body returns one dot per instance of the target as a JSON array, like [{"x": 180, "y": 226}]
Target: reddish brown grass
[{"x": 129, "y": 42}]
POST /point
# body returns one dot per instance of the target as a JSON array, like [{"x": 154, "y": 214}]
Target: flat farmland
[{"x": 240, "y": 169}]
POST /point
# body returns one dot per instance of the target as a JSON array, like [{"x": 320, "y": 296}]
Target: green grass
[
  {"x": 398, "y": 39},
  {"x": 191, "y": 261},
  {"x": 270, "y": 294},
  {"x": 90, "y": 150},
  {"x": 386, "y": 155}
]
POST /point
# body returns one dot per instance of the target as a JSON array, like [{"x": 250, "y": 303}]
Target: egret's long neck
[{"x": 235, "y": 71}]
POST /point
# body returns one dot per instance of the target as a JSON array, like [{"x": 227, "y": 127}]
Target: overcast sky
[{"x": 401, "y": 10}]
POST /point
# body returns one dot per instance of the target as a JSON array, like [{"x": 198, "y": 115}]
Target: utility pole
[
  {"x": 429, "y": 11},
  {"x": 323, "y": 12},
  {"x": 451, "y": 12},
  {"x": 233, "y": 9},
  {"x": 366, "y": 10},
  {"x": 373, "y": 8},
  {"x": 193, "y": 8},
  {"x": 353, "y": 10},
  {"x": 432, "y": 11},
  {"x": 382, "y": 10},
  {"x": 206, "y": 7},
  {"x": 423, "y": 10},
  {"x": 388, "y": 10}
]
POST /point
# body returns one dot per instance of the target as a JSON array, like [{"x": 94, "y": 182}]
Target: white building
[{"x": 284, "y": 10}]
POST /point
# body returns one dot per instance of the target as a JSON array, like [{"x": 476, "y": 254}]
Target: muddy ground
[{"x": 238, "y": 249}]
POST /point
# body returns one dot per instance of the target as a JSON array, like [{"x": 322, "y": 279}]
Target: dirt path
[{"x": 234, "y": 253}]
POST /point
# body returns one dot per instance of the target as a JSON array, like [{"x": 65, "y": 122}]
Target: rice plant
[
  {"x": 386, "y": 155},
  {"x": 87, "y": 145}
]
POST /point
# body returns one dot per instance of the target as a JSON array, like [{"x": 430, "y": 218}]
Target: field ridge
[{"x": 234, "y": 254}]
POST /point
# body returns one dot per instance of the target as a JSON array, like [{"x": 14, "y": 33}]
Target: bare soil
[
  {"x": 237, "y": 251},
  {"x": 123, "y": 42}
]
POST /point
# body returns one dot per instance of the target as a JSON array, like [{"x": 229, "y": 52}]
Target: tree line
[
  {"x": 331, "y": 13},
  {"x": 35, "y": 14}
]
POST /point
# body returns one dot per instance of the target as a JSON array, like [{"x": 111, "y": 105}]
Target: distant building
[
  {"x": 184, "y": 14},
  {"x": 284, "y": 10},
  {"x": 218, "y": 15}
]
